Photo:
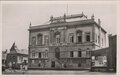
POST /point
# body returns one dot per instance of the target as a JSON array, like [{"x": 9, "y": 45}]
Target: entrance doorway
[{"x": 53, "y": 64}]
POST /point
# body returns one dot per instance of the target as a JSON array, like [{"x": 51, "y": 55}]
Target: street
[{"x": 55, "y": 72}]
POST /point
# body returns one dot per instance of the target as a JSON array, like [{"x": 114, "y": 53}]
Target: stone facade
[{"x": 65, "y": 44}]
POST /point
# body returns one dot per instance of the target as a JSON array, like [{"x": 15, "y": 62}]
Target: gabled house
[{"x": 17, "y": 56}]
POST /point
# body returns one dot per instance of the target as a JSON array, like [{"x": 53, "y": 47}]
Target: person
[
  {"x": 13, "y": 66},
  {"x": 21, "y": 67},
  {"x": 10, "y": 65},
  {"x": 25, "y": 67}
]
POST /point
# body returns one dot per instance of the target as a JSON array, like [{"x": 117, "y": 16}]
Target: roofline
[
  {"x": 54, "y": 23},
  {"x": 100, "y": 27},
  {"x": 65, "y": 22},
  {"x": 101, "y": 49}
]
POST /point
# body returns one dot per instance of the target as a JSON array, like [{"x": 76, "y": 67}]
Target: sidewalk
[
  {"x": 54, "y": 72},
  {"x": 13, "y": 72}
]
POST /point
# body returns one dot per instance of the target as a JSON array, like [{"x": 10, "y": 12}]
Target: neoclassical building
[{"x": 66, "y": 42}]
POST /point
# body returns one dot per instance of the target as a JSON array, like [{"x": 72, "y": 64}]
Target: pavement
[{"x": 54, "y": 72}]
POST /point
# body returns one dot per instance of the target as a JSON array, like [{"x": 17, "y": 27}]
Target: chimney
[
  {"x": 92, "y": 17},
  {"x": 82, "y": 13},
  {"x": 99, "y": 21},
  {"x": 30, "y": 25},
  {"x": 51, "y": 19},
  {"x": 64, "y": 17}
]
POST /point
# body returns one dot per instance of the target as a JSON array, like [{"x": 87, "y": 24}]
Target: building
[
  {"x": 16, "y": 56},
  {"x": 65, "y": 43},
  {"x": 112, "y": 58},
  {"x": 100, "y": 59},
  {"x": 105, "y": 59},
  {"x": 4, "y": 55}
]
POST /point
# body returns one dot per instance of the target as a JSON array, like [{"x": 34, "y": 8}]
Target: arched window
[
  {"x": 88, "y": 52},
  {"x": 57, "y": 37},
  {"x": 57, "y": 53},
  {"x": 79, "y": 36},
  {"x": 39, "y": 39},
  {"x": 33, "y": 40}
]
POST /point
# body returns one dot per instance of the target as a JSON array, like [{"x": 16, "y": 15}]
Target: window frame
[
  {"x": 39, "y": 39},
  {"x": 71, "y": 54},
  {"x": 87, "y": 34},
  {"x": 79, "y": 36},
  {"x": 33, "y": 40},
  {"x": 46, "y": 39},
  {"x": 71, "y": 37}
]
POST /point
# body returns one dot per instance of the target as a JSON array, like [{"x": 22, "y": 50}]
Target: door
[{"x": 53, "y": 64}]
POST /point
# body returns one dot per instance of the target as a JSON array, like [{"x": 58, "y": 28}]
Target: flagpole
[{"x": 67, "y": 8}]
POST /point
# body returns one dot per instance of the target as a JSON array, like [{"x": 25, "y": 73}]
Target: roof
[
  {"x": 69, "y": 16},
  {"x": 14, "y": 49},
  {"x": 62, "y": 24},
  {"x": 22, "y": 51},
  {"x": 102, "y": 51},
  {"x": 68, "y": 24},
  {"x": 4, "y": 52}
]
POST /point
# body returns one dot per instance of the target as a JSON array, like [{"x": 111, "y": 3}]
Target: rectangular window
[
  {"x": 39, "y": 54},
  {"x": 57, "y": 38},
  {"x": 71, "y": 37},
  {"x": 79, "y": 39},
  {"x": 71, "y": 53},
  {"x": 79, "y": 36},
  {"x": 83, "y": 53},
  {"x": 33, "y": 54},
  {"x": 33, "y": 40},
  {"x": 46, "y": 40},
  {"x": 88, "y": 36},
  {"x": 79, "y": 53},
  {"x": 53, "y": 64},
  {"x": 39, "y": 39}
]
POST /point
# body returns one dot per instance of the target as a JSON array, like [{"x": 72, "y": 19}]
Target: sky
[{"x": 17, "y": 17}]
